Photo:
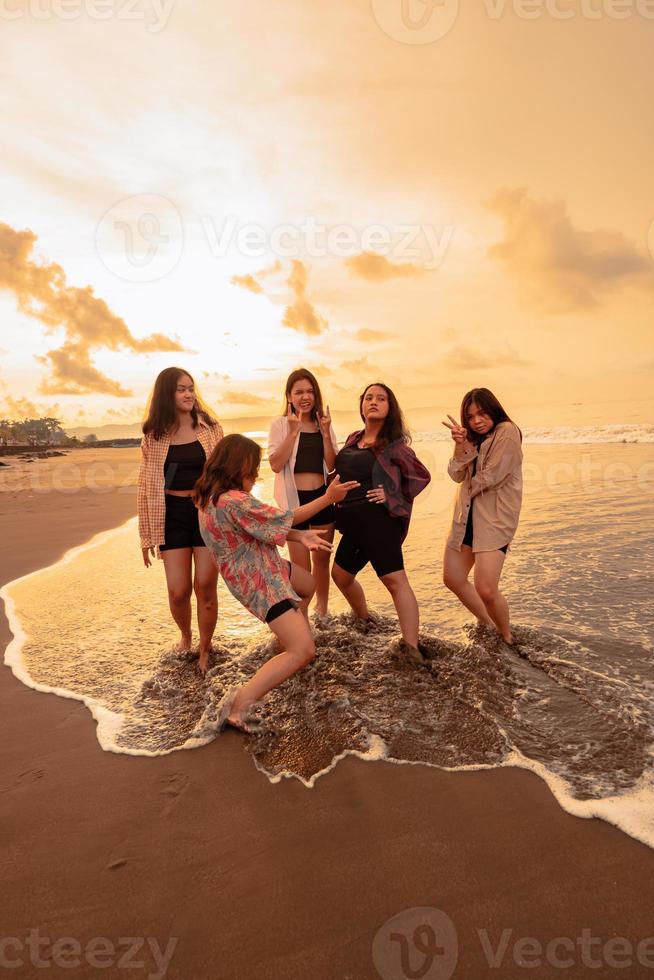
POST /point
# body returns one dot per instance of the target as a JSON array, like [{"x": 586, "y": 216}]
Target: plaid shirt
[
  {"x": 400, "y": 472},
  {"x": 151, "y": 490}
]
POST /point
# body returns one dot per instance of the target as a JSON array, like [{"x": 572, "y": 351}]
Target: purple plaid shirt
[{"x": 401, "y": 474}]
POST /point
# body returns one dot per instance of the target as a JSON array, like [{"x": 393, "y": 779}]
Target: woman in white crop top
[{"x": 301, "y": 450}]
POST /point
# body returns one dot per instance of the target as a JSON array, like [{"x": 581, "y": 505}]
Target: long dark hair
[
  {"x": 489, "y": 404},
  {"x": 162, "y": 414},
  {"x": 303, "y": 375},
  {"x": 394, "y": 428},
  {"x": 234, "y": 458}
]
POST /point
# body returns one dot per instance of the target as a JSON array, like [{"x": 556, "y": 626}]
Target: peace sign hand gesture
[
  {"x": 325, "y": 423},
  {"x": 459, "y": 432},
  {"x": 294, "y": 421}
]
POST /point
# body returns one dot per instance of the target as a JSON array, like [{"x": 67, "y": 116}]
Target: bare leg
[
  {"x": 177, "y": 564},
  {"x": 321, "y": 561},
  {"x": 301, "y": 558},
  {"x": 456, "y": 567},
  {"x": 405, "y": 604},
  {"x": 352, "y": 591},
  {"x": 488, "y": 568},
  {"x": 294, "y": 636},
  {"x": 205, "y": 584}
]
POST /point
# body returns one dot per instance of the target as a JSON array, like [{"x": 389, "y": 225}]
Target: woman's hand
[
  {"x": 146, "y": 552},
  {"x": 377, "y": 495},
  {"x": 294, "y": 421},
  {"x": 325, "y": 422},
  {"x": 337, "y": 492},
  {"x": 314, "y": 541},
  {"x": 459, "y": 433}
]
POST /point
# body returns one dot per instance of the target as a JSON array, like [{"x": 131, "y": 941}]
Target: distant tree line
[{"x": 32, "y": 432}]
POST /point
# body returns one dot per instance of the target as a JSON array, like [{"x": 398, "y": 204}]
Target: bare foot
[
  {"x": 185, "y": 643},
  {"x": 236, "y": 719},
  {"x": 203, "y": 661}
]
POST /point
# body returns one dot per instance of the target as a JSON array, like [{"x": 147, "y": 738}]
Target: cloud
[
  {"x": 17, "y": 409},
  {"x": 242, "y": 398},
  {"x": 42, "y": 292},
  {"x": 365, "y": 334},
  {"x": 468, "y": 359},
  {"x": 559, "y": 267},
  {"x": 360, "y": 365},
  {"x": 252, "y": 282},
  {"x": 301, "y": 315},
  {"x": 377, "y": 268},
  {"x": 247, "y": 282}
]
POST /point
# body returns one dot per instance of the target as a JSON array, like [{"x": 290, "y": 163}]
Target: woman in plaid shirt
[{"x": 179, "y": 435}]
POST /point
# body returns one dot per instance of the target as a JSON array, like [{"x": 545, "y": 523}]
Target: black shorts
[
  {"x": 279, "y": 609},
  {"x": 182, "y": 528},
  {"x": 325, "y": 516},
  {"x": 370, "y": 534},
  {"x": 285, "y": 605},
  {"x": 467, "y": 539}
]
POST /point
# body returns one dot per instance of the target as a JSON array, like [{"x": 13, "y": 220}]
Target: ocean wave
[{"x": 566, "y": 434}]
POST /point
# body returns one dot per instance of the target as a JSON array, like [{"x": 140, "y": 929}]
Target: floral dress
[{"x": 243, "y": 535}]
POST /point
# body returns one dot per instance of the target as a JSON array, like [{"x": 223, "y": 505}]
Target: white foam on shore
[
  {"x": 108, "y": 722},
  {"x": 632, "y": 812}
]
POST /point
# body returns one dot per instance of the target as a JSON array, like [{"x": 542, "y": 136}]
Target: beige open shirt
[{"x": 496, "y": 489}]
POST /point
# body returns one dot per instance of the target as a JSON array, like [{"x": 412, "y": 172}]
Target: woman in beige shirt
[
  {"x": 487, "y": 466},
  {"x": 179, "y": 435}
]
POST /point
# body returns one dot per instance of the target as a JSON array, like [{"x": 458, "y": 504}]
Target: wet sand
[{"x": 279, "y": 881}]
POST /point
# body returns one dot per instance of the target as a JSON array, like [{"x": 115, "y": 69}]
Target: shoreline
[{"x": 148, "y": 845}]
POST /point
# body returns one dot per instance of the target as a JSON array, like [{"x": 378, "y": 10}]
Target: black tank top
[
  {"x": 353, "y": 463},
  {"x": 310, "y": 453},
  {"x": 184, "y": 465}
]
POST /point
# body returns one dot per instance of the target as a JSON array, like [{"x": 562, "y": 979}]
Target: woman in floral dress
[{"x": 243, "y": 535}]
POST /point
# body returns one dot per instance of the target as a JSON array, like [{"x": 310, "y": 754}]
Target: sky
[{"x": 437, "y": 195}]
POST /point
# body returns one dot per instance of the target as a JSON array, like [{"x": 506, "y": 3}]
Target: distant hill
[
  {"x": 119, "y": 430},
  {"x": 344, "y": 422}
]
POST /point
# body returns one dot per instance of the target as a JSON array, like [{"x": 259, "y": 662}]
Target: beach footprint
[{"x": 172, "y": 787}]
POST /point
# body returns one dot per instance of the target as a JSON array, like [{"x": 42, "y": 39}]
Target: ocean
[{"x": 577, "y": 710}]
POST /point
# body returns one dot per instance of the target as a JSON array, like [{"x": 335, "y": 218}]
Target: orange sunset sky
[{"x": 243, "y": 188}]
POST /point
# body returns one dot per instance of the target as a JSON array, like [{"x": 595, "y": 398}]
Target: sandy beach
[{"x": 279, "y": 881}]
